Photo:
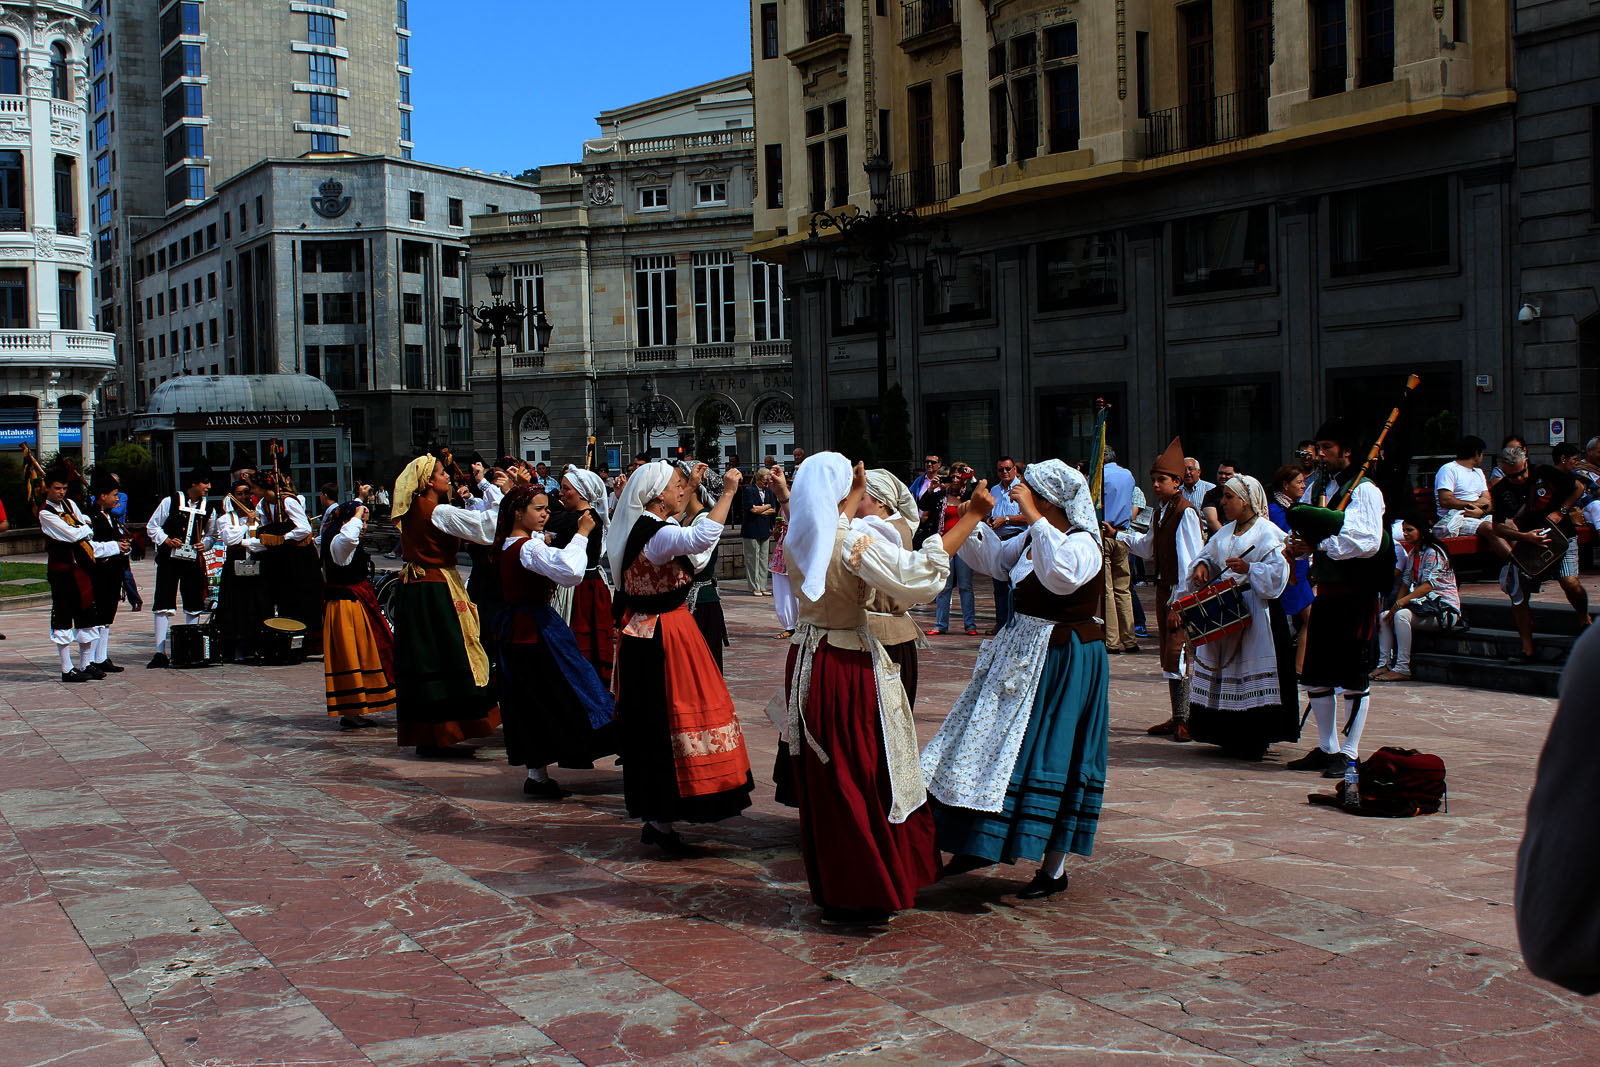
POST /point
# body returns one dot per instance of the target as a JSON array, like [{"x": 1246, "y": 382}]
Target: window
[
  {"x": 188, "y": 339},
  {"x": 60, "y": 76},
  {"x": 772, "y": 167},
  {"x": 211, "y": 235},
  {"x": 67, "y": 299},
  {"x": 1327, "y": 47},
  {"x": 101, "y": 135},
  {"x": 66, "y": 198},
  {"x": 1215, "y": 253},
  {"x": 341, "y": 369},
  {"x": 1061, "y": 42},
  {"x": 227, "y": 274},
  {"x": 331, "y": 257},
  {"x": 1079, "y": 272},
  {"x": 418, "y": 207},
  {"x": 769, "y": 31},
  {"x": 1402, "y": 226},
  {"x": 1063, "y": 87},
  {"x": 968, "y": 298},
  {"x": 324, "y": 109},
  {"x": 12, "y": 213},
  {"x": 815, "y": 124},
  {"x": 184, "y": 290},
  {"x": 713, "y": 298},
  {"x": 310, "y": 308},
  {"x": 184, "y": 102},
  {"x": 710, "y": 194},
  {"x": 655, "y": 300},
  {"x": 184, "y": 142},
  {"x": 14, "y": 299},
  {"x": 423, "y": 420},
  {"x": 10, "y": 66},
  {"x": 769, "y": 302},
  {"x": 405, "y": 127},
  {"x": 653, "y": 198},
  {"x": 817, "y": 165},
  {"x": 999, "y": 116},
  {"x": 211, "y": 330},
  {"x": 1026, "y": 92},
  {"x": 457, "y": 214},
  {"x": 324, "y": 142},
  {"x": 839, "y": 161},
  {"x": 343, "y": 309},
  {"x": 181, "y": 62},
  {"x": 461, "y": 424},
  {"x": 320, "y": 29},
  {"x": 997, "y": 60},
  {"x": 1024, "y": 51},
  {"x": 414, "y": 371},
  {"x": 186, "y": 183},
  {"x": 1377, "y": 42},
  {"x": 853, "y": 311},
  {"x": 836, "y": 115},
  {"x": 402, "y": 18},
  {"x": 405, "y": 51},
  {"x": 244, "y": 220},
  {"x": 411, "y": 257},
  {"x": 969, "y": 426},
  {"x": 405, "y": 88},
  {"x": 324, "y": 69},
  {"x": 1235, "y": 419},
  {"x": 527, "y": 289},
  {"x": 411, "y": 308},
  {"x": 450, "y": 262},
  {"x": 227, "y": 318}
]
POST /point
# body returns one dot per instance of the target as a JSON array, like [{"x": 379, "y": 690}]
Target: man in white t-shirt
[{"x": 1462, "y": 492}]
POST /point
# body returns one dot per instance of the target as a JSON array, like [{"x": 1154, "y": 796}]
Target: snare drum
[
  {"x": 1217, "y": 611},
  {"x": 283, "y": 642},
  {"x": 192, "y": 646}
]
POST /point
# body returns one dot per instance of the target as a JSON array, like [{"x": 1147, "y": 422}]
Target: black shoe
[
  {"x": 1336, "y": 765},
  {"x": 962, "y": 864},
  {"x": 158, "y": 660},
  {"x": 357, "y": 722},
  {"x": 545, "y": 790},
  {"x": 1042, "y": 887},
  {"x": 74, "y": 676},
  {"x": 832, "y": 916},
  {"x": 446, "y": 752},
  {"x": 667, "y": 840},
  {"x": 93, "y": 672},
  {"x": 1314, "y": 760},
  {"x": 107, "y": 667}
]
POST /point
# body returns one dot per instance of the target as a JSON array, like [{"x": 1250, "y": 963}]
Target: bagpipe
[
  {"x": 36, "y": 483},
  {"x": 1314, "y": 524}
]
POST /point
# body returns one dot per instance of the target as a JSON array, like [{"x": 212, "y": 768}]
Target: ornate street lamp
[
  {"x": 496, "y": 324},
  {"x": 650, "y": 411}
]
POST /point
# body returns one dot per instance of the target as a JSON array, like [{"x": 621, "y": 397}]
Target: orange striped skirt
[{"x": 355, "y": 680}]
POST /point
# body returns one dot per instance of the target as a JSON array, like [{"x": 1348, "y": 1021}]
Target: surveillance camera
[{"x": 1529, "y": 313}]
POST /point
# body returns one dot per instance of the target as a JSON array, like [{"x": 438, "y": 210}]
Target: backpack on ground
[{"x": 1399, "y": 783}]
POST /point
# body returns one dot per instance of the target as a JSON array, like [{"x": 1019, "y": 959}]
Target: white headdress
[
  {"x": 892, "y": 493},
  {"x": 1065, "y": 488},
  {"x": 820, "y": 483},
  {"x": 644, "y": 485},
  {"x": 1251, "y": 492}
]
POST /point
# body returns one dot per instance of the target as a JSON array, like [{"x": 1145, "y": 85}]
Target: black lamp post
[
  {"x": 650, "y": 411},
  {"x": 877, "y": 240},
  {"x": 496, "y": 323}
]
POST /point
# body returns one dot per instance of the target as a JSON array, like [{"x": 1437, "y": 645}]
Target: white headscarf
[
  {"x": 892, "y": 493},
  {"x": 1066, "y": 489},
  {"x": 591, "y": 487},
  {"x": 820, "y": 483},
  {"x": 1251, "y": 492},
  {"x": 644, "y": 485}
]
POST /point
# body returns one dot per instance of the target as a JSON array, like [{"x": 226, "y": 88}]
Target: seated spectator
[
  {"x": 1512, "y": 440},
  {"x": 1571, "y": 459},
  {"x": 1528, "y": 502},
  {"x": 1425, "y": 599},
  {"x": 1462, "y": 492}
]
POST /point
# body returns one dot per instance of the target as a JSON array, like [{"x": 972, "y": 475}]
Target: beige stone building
[{"x": 1231, "y": 216}]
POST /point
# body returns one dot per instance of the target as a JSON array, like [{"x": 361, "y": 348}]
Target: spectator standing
[
  {"x": 1211, "y": 504},
  {"x": 1007, "y": 521},
  {"x": 1462, "y": 492},
  {"x": 1195, "y": 487},
  {"x": 957, "y": 490},
  {"x": 760, "y": 507},
  {"x": 542, "y": 478},
  {"x": 1425, "y": 598},
  {"x": 130, "y": 588},
  {"x": 1305, "y": 457},
  {"x": 1118, "y": 489},
  {"x": 927, "y": 479}
]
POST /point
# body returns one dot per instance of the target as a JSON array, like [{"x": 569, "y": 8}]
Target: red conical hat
[{"x": 1170, "y": 461}]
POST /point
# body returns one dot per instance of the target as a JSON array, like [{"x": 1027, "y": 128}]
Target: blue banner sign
[{"x": 17, "y": 436}]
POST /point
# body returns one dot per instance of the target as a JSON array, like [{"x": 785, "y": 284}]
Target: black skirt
[
  {"x": 1344, "y": 621},
  {"x": 241, "y": 602}
]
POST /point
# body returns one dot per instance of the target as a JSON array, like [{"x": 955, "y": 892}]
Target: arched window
[
  {"x": 10, "y": 67},
  {"x": 60, "y": 78}
]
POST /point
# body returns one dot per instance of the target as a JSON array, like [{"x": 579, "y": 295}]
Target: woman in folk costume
[
  {"x": 684, "y": 757},
  {"x": 358, "y": 646},
  {"x": 705, "y": 602},
  {"x": 866, "y": 834},
  {"x": 890, "y": 508},
  {"x": 1237, "y": 694},
  {"x": 589, "y": 613},
  {"x": 243, "y": 598},
  {"x": 783, "y": 601},
  {"x": 442, "y": 673},
  {"x": 553, "y": 704},
  {"x": 1019, "y": 766}
]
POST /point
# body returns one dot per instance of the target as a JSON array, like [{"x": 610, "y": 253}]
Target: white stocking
[
  {"x": 86, "y": 653},
  {"x": 163, "y": 622},
  {"x": 1322, "y": 706},
  {"x": 1054, "y": 865},
  {"x": 66, "y": 658},
  {"x": 102, "y": 645},
  {"x": 1356, "y": 705},
  {"x": 539, "y": 774}
]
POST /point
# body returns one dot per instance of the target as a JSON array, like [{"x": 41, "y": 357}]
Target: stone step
[
  {"x": 1477, "y": 672},
  {"x": 1485, "y": 643},
  {"x": 1494, "y": 613}
]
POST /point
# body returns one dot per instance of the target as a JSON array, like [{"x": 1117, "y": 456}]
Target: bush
[
  {"x": 13, "y": 491},
  {"x": 132, "y": 463}
]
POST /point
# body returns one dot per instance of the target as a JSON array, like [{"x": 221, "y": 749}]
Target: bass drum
[{"x": 283, "y": 642}]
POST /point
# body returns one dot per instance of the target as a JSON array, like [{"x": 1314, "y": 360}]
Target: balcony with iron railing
[
  {"x": 925, "y": 23},
  {"x": 66, "y": 223},
  {"x": 13, "y": 218},
  {"x": 824, "y": 18},
  {"x": 924, "y": 186},
  {"x": 1198, "y": 125}
]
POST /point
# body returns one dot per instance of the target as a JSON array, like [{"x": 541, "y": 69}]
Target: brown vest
[
  {"x": 1078, "y": 612},
  {"x": 423, "y": 543}
]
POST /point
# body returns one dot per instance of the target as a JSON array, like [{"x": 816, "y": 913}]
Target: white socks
[
  {"x": 1324, "y": 706},
  {"x": 1054, "y": 864},
  {"x": 86, "y": 653},
  {"x": 102, "y": 645},
  {"x": 1356, "y": 705},
  {"x": 66, "y": 658},
  {"x": 163, "y": 622},
  {"x": 538, "y": 774}
]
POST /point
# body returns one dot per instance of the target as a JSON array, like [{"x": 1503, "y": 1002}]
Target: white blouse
[
  {"x": 564, "y": 566},
  {"x": 1063, "y": 561},
  {"x": 697, "y": 541},
  {"x": 57, "y": 529},
  {"x": 1269, "y": 570},
  {"x": 907, "y": 575},
  {"x": 475, "y": 526},
  {"x": 346, "y": 541}
]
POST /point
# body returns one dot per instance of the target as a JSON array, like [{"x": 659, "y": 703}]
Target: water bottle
[{"x": 1352, "y": 784}]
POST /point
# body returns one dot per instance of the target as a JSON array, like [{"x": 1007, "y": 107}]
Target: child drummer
[
  {"x": 181, "y": 528},
  {"x": 1173, "y": 541}
]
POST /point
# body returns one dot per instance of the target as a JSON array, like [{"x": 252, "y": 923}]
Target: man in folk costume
[
  {"x": 289, "y": 565},
  {"x": 1173, "y": 541},
  {"x": 443, "y": 690},
  {"x": 1351, "y": 566},
  {"x": 705, "y": 601},
  {"x": 243, "y": 597},
  {"x": 589, "y": 614},
  {"x": 183, "y": 524},
  {"x": 71, "y": 558},
  {"x": 110, "y": 572},
  {"x": 1242, "y": 696},
  {"x": 1018, "y": 768},
  {"x": 684, "y": 757},
  {"x": 866, "y": 833},
  {"x": 358, "y": 646}
]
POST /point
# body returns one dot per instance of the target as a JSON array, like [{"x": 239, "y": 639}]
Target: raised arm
[
  {"x": 564, "y": 566},
  {"x": 1064, "y": 561},
  {"x": 910, "y": 576},
  {"x": 475, "y": 526}
]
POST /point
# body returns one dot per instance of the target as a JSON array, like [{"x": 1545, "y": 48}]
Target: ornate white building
[{"x": 51, "y": 358}]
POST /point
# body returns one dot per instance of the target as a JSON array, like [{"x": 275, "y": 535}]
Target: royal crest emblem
[{"x": 331, "y": 201}]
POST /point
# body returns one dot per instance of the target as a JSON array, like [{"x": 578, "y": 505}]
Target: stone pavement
[{"x": 198, "y": 870}]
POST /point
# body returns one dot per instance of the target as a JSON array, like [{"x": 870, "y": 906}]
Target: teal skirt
[{"x": 1052, "y": 803}]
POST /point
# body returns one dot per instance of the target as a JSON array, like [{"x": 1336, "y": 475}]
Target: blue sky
[{"x": 505, "y": 85}]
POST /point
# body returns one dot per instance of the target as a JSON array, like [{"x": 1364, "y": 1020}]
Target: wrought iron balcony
[
  {"x": 925, "y": 16},
  {"x": 66, "y": 223},
  {"x": 924, "y": 186},
  {"x": 824, "y": 18},
  {"x": 1191, "y": 126},
  {"x": 13, "y": 218}
]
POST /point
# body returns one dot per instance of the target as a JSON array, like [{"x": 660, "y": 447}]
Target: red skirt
[
  {"x": 855, "y": 857},
  {"x": 592, "y": 625}
]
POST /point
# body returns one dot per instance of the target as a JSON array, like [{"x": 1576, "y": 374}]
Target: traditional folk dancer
[
  {"x": 705, "y": 601},
  {"x": 1019, "y": 766},
  {"x": 553, "y": 704},
  {"x": 358, "y": 647},
  {"x": 1351, "y": 568},
  {"x": 866, "y": 833},
  {"x": 1243, "y": 694},
  {"x": 589, "y": 617},
  {"x": 290, "y": 567},
  {"x": 110, "y": 572},
  {"x": 890, "y": 511},
  {"x": 684, "y": 754},
  {"x": 243, "y": 598},
  {"x": 182, "y": 528},
  {"x": 1173, "y": 541},
  {"x": 442, "y": 684},
  {"x": 783, "y": 601},
  {"x": 71, "y": 556}
]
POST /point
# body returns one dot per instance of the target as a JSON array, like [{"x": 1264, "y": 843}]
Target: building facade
[
  {"x": 637, "y": 257},
  {"x": 51, "y": 357},
  {"x": 183, "y": 96},
  {"x": 338, "y": 267},
  {"x": 1227, "y": 218}
]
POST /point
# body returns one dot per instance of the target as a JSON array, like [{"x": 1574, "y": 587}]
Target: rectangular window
[
  {"x": 817, "y": 164},
  {"x": 414, "y": 371},
  {"x": 1026, "y": 92},
  {"x": 66, "y": 196},
  {"x": 423, "y": 420},
  {"x": 710, "y": 194},
  {"x": 1215, "y": 253},
  {"x": 405, "y": 51},
  {"x": 310, "y": 306},
  {"x": 1231, "y": 419},
  {"x": 324, "y": 109},
  {"x": 322, "y": 30},
  {"x": 769, "y": 302},
  {"x": 418, "y": 207},
  {"x": 344, "y": 309},
  {"x": 1063, "y": 82},
  {"x": 188, "y": 339},
  {"x": 184, "y": 290},
  {"x": 1377, "y": 42},
  {"x": 457, "y": 212},
  {"x": 772, "y": 168},
  {"x": 227, "y": 317},
  {"x": 411, "y": 308},
  {"x": 67, "y": 299},
  {"x": 405, "y": 88},
  {"x": 527, "y": 289},
  {"x": 324, "y": 69},
  {"x": 836, "y": 115},
  {"x": 402, "y": 14},
  {"x": 211, "y": 329},
  {"x": 450, "y": 262},
  {"x": 653, "y": 198},
  {"x": 411, "y": 258},
  {"x": 655, "y": 301},
  {"x": 713, "y": 297},
  {"x": 769, "y": 31},
  {"x": 815, "y": 123},
  {"x": 461, "y": 424},
  {"x": 1079, "y": 272},
  {"x": 839, "y": 162},
  {"x": 1024, "y": 51},
  {"x": 405, "y": 127},
  {"x": 1327, "y": 47},
  {"x": 1061, "y": 42},
  {"x": 1401, "y": 226},
  {"x": 186, "y": 101},
  {"x": 324, "y": 142},
  {"x": 968, "y": 298},
  {"x": 999, "y": 116}
]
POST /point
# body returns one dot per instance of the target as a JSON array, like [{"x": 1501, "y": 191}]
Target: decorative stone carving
[
  {"x": 14, "y": 130},
  {"x": 602, "y": 189},
  {"x": 38, "y": 82},
  {"x": 65, "y": 134},
  {"x": 44, "y": 242}
]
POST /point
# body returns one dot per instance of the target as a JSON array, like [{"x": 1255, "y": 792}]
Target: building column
[
  {"x": 88, "y": 432},
  {"x": 49, "y": 428}
]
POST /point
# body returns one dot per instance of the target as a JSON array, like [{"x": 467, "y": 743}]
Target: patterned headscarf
[
  {"x": 892, "y": 493},
  {"x": 416, "y": 476},
  {"x": 710, "y": 483},
  {"x": 820, "y": 483},
  {"x": 1251, "y": 492},
  {"x": 1066, "y": 489},
  {"x": 644, "y": 485}
]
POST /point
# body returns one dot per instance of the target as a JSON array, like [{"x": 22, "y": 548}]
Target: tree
[
  {"x": 708, "y": 435},
  {"x": 851, "y": 439},
  {"x": 133, "y": 465},
  {"x": 896, "y": 453}
]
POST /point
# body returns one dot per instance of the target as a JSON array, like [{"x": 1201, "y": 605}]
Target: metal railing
[
  {"x": 13, "y": 218},
  {"x": 66, "y": 223},
  {"x": 925, "y": 16},
  {"x": 924, "y": 186},
  {"x": 824, "y": 18},
  {"x": 1191, "y": 126}
]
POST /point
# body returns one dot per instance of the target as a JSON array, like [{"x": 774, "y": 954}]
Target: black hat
[
  {"x": 477, "y": 457},
  {"x": 1340, "y": 430},
  {"x": 102, "y": 481},
  {"x": 505, "y": 463},
  {"x": 58, "y": 472},
  {"x": 199, "y": 473}
]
